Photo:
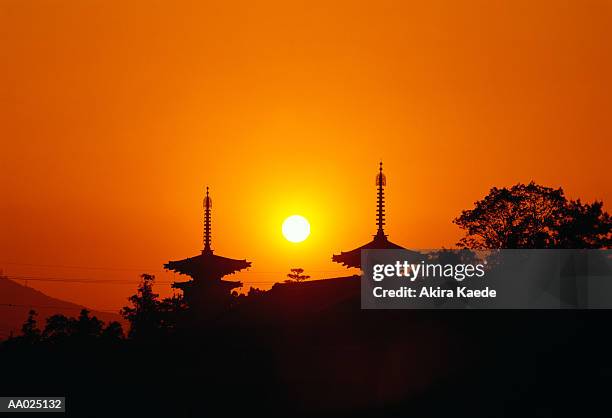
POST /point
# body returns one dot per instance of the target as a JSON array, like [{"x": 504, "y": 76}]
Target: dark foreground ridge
[{"x": 308, "y": 349}]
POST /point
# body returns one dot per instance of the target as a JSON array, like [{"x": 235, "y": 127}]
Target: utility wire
[
  {"x": 78, "y": 308},
  {"x": 101, "y": 281},
  {"x": 145, "y": 269}
]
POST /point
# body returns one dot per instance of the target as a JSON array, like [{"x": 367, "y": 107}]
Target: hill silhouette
[{"x": 16, "y": 300}]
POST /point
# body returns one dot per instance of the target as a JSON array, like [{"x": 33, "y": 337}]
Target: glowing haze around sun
[{"x": 296, "y": 228}]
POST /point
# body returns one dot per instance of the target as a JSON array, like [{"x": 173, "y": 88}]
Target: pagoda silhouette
[
  {"x": 380, "y": 242},
  {"x": 207, "y": 292}
]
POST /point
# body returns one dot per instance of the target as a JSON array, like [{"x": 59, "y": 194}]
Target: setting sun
[{"x": 296, "y": 228}]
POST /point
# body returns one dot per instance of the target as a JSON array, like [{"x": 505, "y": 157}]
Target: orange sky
[{"x": 116, "y": 114}]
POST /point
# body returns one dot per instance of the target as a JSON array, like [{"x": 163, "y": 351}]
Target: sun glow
[{"x": 296, "y": 228}]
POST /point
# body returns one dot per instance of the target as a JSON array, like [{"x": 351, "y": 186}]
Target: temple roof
[
  {"x": 380, "y": 242},
  {"x": 207, "y": 265}
]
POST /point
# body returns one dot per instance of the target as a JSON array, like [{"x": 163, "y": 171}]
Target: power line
[
  {"x": 79, "y": 280},
  {"x": 16, "y": 305},
  {"x": 146, "y": 269},
  {"x": 64, "y": 266},
  {"x": 100, "y": 281},
  {"x": 108, "y": 281}
]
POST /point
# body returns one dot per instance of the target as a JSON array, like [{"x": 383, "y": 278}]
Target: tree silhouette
[
  {"x": 585, "y": 226},
  {"x": 112, "y": 332},
  {"x": 253, "y": 293},
  {"x": 60, "y": 328},
  {"x": 29, "y": 330},
  {"x": 296, "y": 276},
  {"x": 86, "y": 326},
  {"x": 172, "y": 310},
  {"x": 148, "y": 316},
  {"x": 534, "y": 216},
  {"x": 144, "y": 315}
]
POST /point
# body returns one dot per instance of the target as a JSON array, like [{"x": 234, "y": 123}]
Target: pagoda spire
[
  {"x": 381, "y": 181},
  {"x": 207, "y": 224},
  {"x": 380, "y": 242}
]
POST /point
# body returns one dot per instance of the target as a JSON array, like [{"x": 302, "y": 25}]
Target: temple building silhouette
[
  {"x": 380, "y": 242},
  {"x": 207, "y": 292}
]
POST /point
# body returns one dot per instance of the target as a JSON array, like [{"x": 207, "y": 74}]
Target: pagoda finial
[
  {"x": 207, "y": 226},
  {"x": 381, "y": 181}
]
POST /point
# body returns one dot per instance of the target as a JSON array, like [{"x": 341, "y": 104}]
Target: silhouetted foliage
[
  {"x": 112, "y": 332},
  {"x": 148, "y": 316},
  {"x": 62, "y": 329},
  {"x": 253, "y": 293},
  {"x": 534, "y": 216},
  {"x": 144, "y": 316},
  {"x": 58, "y": 328},
  {"x": 585, "y": 225},
  {"x": 172, "y": 311},
  {"x": 86, "y": 326},
  {"x": 296, "y": 276},
  {"x": 29, "y": 330}
]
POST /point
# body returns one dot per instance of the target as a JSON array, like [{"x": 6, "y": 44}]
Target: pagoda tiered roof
[
  {"x": 352, "y": 258},
  {"x": 207, "y": 264}
]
